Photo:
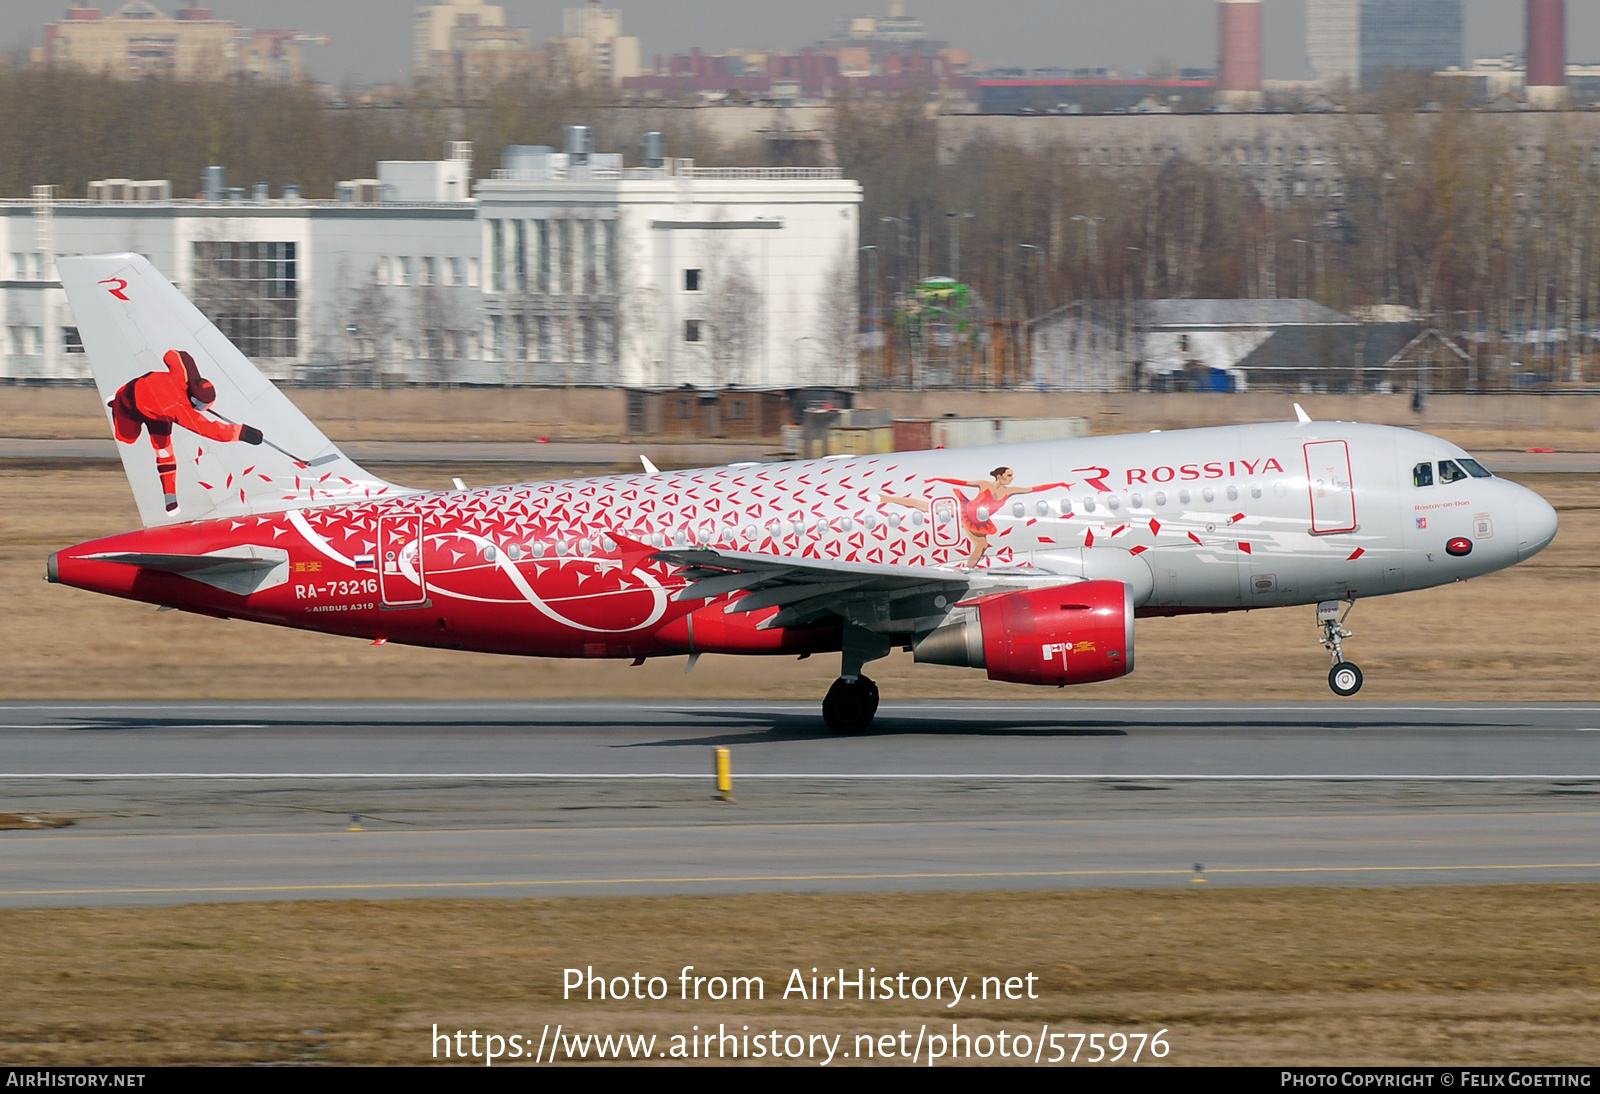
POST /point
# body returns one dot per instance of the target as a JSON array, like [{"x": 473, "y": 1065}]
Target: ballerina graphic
[{"x": 977, "y": 512}]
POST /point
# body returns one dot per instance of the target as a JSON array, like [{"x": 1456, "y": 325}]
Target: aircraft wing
[{"x": 808, "y": 589}]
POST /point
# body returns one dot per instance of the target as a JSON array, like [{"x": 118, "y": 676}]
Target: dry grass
[
  {"x": 1502, "y": 974},
  {"x": 1522, "y": 634}
]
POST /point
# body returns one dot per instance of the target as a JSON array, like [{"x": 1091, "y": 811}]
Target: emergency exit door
[
  {"x": 1333, "y": 500},
  {"x": 946, "y": 522},
  {"x": 402, "y": 582}
]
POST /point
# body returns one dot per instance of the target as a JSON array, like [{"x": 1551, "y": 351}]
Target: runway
[{"x": 171, "y": 803}]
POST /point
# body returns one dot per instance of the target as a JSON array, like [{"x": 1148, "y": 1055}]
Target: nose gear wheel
[{"x": 1345, "y": 678}]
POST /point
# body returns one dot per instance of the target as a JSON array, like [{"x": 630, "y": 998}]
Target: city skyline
[{"x": 371, "y": 39}]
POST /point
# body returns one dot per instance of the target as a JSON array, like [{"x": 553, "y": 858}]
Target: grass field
[
  {"x": 1521, "y": 634},
  {"x": 1498, "y": 974}
]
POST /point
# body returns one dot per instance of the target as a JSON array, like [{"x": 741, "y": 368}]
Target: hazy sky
[{"x": 372, "y": 38}]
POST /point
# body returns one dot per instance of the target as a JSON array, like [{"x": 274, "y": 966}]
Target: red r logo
[
  {"x": 117, "y": 285},
  {"x": 1098, "y": 479}
]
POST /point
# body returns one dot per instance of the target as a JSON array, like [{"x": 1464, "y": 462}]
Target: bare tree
[
  {"x": 437, "y": 321},
  {"x": 839, "y": 322},
  {"x": 733, "y": 313},
  {"x": 368, "y": 323}
]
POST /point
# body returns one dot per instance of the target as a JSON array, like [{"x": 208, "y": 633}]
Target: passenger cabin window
[
  {"x": 1474, "y": 468},
  {"x": 1422, "y": 474},
  {"x": 1450, "y": 472}
]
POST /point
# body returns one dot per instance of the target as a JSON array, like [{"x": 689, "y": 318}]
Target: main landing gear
[
  {"x": 1345, "y": 677},
  {"x": 850, "y": 706},
  {"x": 853, "y": 700}
]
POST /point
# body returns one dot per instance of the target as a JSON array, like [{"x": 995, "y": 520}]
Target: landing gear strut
[
  {"x": 853, "y": 700},
  {"x": 1345, "y": 677}
]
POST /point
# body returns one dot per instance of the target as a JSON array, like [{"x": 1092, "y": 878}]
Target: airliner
[{"x": 1028, "y": 561}]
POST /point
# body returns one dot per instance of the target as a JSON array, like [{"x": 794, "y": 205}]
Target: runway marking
[
  {"x": 991, "y": 776},
  {"x": 102, "y": 725},
  {"x": 80, "y": 836},
  {"x": 753, "y": 878},
  {"x": 1031, "y": 707}
]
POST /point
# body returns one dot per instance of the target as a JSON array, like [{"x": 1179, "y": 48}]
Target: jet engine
[{"x": 1068, "y": 634}]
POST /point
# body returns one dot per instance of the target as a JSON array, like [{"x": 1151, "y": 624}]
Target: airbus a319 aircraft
[{"x": 1029, "y": 561}]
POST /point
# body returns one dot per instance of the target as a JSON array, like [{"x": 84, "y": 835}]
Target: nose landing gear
[{"x": 1345, "y": 677}]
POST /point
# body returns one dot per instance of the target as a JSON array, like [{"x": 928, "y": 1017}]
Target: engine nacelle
[{"x": 1068, "y": 634}]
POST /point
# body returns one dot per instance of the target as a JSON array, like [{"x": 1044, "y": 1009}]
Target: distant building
[
  {"x": 1358, "y": 42},
  {"x": 897, "y": 26},
  {"x": 1090, "y": 91},
  {"x": 593, "y": 47},
  {"x": 139, "y": 39},
  {"x": 1168, "y": 345},
  {"x": 464, "y": 47},
  {"x": 867, "y": 54},
  {"x": 1488, "y": 79},
  {"x": 565, "y": 268}
]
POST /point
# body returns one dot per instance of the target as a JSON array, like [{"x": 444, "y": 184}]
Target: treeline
[
  {"x": 67, "y": 128},
  {"x": 1486, "y": 226}
]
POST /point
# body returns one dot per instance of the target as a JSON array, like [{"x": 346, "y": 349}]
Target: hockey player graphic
[{"x": 157, "y": 401}]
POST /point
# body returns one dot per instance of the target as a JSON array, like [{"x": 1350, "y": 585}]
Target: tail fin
[{"x": 202, "y": 433}]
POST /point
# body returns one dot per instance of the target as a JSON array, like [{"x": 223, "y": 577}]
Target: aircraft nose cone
[{"x": 1536, "y": 524}]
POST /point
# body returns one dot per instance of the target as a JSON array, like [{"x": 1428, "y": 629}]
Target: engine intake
[{"x": 1069, "y": 634}]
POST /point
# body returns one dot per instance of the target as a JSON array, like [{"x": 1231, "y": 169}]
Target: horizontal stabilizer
[{"x": 238, "y": 570}]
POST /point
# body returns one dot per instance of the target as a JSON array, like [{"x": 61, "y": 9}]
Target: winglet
[
  {"x": 649, "y": 468},
  {"x": 1300, "y": 414}
]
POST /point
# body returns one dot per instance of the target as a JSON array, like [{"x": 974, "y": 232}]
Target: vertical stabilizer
[{"x": 201, "y": 432}]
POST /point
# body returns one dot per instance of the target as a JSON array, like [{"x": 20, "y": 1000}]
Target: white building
[
  {"x": 671, "y": 275},
  {"x": 555, "y": 272}
]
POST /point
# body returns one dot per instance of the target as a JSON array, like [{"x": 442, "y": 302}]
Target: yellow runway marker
[{"x": 724, "y": 762}]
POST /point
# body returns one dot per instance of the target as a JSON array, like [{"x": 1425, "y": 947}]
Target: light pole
[
  {"x": 1093, "y": 226},
  {"x": 955, "y": 220},
  {"x": 872, "y": 280},
  {"x": 1039, "y": 305},
  {"x": 901, "y": 221},
  {"x": 902, "y": 287},
  {"x": 1043, "y": 258},
  {"x": 355, "y": 351}
]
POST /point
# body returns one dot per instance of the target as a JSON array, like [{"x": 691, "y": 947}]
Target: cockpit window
[
  {"x": 1450, "y": 472},
  {"x": 1422, "y": 474},
  {"x": 1474, "y": 468}
]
